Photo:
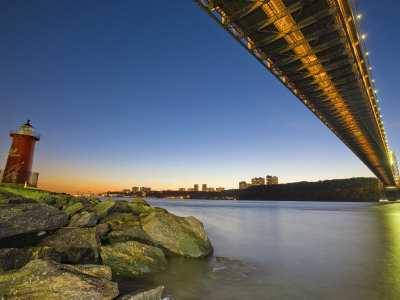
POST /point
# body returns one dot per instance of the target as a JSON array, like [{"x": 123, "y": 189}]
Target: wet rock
[
  {"x": 22, "y": 224},
  {"x": 229, "y": 269},
  {"x": 83, "y": 219},
  {"x": 75, "y": 244},
  {"x": 15, "y": 258},
  {"x": 104, "y": 208},
  {"x": 133, "y": 258},
  {"x": 152, "y": 294},
  {"x": 41, "y": 279},
  {"x": 121, "y": 206},
  {"x": 129, "y": 234},
  {"x": 183, "y": 236}
]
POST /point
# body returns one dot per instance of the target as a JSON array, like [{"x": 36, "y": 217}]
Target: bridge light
[
  {"x": 363, "y": 36},
  {"x": 370, "y": 68},
  {"x": 359, "y": 16},
  {"x": 367, "y": 53},
  {"x": 373, "y": 80}
]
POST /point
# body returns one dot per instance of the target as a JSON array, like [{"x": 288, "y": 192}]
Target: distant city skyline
[{"x": 117, "y": 100}]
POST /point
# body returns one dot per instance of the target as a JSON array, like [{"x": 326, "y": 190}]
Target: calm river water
[{"x": 302, "y": 250}]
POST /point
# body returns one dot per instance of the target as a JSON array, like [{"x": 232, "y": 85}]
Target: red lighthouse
[{"x": 19, "y": 163}]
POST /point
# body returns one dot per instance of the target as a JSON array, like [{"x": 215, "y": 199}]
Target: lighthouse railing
[{"x": 30, "y": 133}]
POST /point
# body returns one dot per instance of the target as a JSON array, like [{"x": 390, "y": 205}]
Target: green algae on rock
[
  {"x": 133, "y": 258},
  {"x": 41, "y": 279},
  {"x": 183, "y": 236},
  {"x": 76, "y": 244},
  {"x": 104, "y": 208}
]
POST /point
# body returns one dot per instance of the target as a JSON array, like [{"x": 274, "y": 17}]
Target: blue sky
[{"x": 127, "y": 93}]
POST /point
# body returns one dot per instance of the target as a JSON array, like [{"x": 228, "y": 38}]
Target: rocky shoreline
[{"x": 56, "y": 246}]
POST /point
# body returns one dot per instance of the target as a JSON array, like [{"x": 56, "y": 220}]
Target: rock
[
  {"x": 117, "y": 219},
  {"x": 72, "y": 209},
  {"x": 121, "y": 206},
  {"x": 104, "y": 208},
  {"x": 102, "y": 230},
  {"x": 15, "y": 258},
  {"x": 228, "y": 269},
  {"x": 129, "y": 234},
  {"x": 75, "y": 244},
  {"x": 41, "y": 279},
  {"x": 133, "y": 258},
  {"x": 83, "y": 219},
  {"x": 153, "y": 294},
  {"x": 138, "y": 208},
  {"x": 96, "y": 271},
  {"x": 183, "y": 236},
  {"x": 23, "y": 224},
  {"x": 139, "y": 201},
  {"x": 10, "y": 198}
]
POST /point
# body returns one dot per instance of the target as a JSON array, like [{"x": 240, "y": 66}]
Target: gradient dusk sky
[{"x": 136, "y": 93}]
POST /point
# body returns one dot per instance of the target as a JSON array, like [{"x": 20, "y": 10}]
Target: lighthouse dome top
[{"x": 27, "y": 124}]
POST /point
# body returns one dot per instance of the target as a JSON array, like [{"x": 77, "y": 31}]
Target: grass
[{"x": 27, "y": 193}]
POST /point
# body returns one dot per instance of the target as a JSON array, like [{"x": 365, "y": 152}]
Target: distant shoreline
[{"x": 360, "y": 189}]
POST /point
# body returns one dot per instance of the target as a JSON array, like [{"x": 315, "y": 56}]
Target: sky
[{"x": 130, "y": 93}]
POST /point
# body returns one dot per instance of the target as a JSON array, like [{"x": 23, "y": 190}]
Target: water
[{"x": 302, "y": 250}]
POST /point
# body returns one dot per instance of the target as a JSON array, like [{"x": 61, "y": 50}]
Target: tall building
[
  {"x": 204, "y": 187},
  {"x": 196, "y": 187},
  {"x": 145, "y": 189},
  {"x": 182, "y": 189},
  {"x": 135, "y": 189},
  {"x": 210, "y": 189},
  {"x": 272, "y": 179},
  {"x": 20, "y": 158},
  {"x": 258, "y": 181},
  {"x": 243, "y": 185}
]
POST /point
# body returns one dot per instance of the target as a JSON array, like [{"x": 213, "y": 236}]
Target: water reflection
[
  {"x": 389, "y": 283},
  {"x": 302, "y": 250}
]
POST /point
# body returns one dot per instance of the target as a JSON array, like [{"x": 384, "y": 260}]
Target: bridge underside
[{"x": 312, "y": 47}]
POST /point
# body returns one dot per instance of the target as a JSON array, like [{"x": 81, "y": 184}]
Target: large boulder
[
  {"x": 152, "y": 294},
  {"x": 75, "y": 244},
  {"x": 23, "y": 224},
  {"x": 133, "y": 258},
  {"x": 183, "y": 236},
  {"x": 129, "y": 234},
  {"x": 15, "y": 258},
  {"x": 41, "y": 279},
  {"x": 230, "y": 269},
  {"x": 83, "y": 219},
  {"x": 104, "y": 208}
]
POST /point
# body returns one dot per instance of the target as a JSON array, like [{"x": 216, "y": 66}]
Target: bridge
[{"x": 316, "y": 49}]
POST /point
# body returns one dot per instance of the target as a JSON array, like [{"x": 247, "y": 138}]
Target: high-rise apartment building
[
  {"x": 196, "y": 187},
  {"x": 135, "y": 189},
  {"x": 204, "y": 187},
  {"x": 243, "y": 185},
  {"x": 272, "y": 179},
  {"x": 145, "y": 189},
  {"x": 258, "y": 181}
]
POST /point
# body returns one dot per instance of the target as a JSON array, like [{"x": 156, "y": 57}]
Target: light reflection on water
[{"x": 302, "y": 250}]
